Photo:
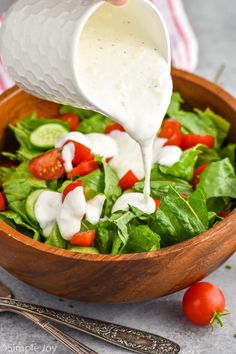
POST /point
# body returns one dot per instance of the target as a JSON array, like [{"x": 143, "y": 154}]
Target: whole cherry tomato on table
[{"x": 204, "y": 304}]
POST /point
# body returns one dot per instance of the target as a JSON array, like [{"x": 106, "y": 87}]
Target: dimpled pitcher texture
[{"x": 37, "y": 24}]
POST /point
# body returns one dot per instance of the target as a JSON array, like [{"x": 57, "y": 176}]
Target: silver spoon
[
  {"x": 68, "y": 341},
  {"x": 128, "y": 338}
]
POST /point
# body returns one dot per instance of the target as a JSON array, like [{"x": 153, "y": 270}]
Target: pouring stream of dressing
[{"x": 121, "y": 71}]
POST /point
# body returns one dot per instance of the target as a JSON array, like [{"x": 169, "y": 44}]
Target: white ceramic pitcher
[{"x": 39, "y": 38}]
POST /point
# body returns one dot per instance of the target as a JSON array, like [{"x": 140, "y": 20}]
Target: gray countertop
[{"x": 215, "y": 25}]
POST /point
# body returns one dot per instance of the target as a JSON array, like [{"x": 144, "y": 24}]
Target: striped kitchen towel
[{"x": 183, "y": 41}]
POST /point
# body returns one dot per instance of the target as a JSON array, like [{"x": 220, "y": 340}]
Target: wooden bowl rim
[{"x": 176, "y": 248}]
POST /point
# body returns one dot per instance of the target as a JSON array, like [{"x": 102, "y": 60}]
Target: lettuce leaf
[
  {"x": 185, "y": 166},
  {"x": 23, "y": 130},
  {"x": 218, "y": 180},
  {"x": 207, "y": 155},
  {"x": 14, "y": 220},
  {"x": 175, "y": 104},
  {"x": 55, "y": 239},
  {"x": 230, "y": 152},
  {"x": 178, "y": 218},
  {"x": 21, "y": 183},
  {"x": 204, "y": 122},
  {"x": 121, "y": 221},
  {"x": 93, "y": 183},
  {"x": 113, "y": 234},
  {"x": 160, "y": 188},
  {"x": 82, "y": 113},
  {"x": 112, "y": 189},
  {"x": 94, "y": 124},
  {"x": 160, "y": 184},
  {"x": 5, "y": 172},
  {"x": 105, "y": 234},
  {"x": 199, "y": 122},
  {"x": 217, "y": 204},
  {"x": 141, "y": 239}
]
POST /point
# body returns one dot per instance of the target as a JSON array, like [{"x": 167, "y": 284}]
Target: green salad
[{"x": 190, "y": 195}]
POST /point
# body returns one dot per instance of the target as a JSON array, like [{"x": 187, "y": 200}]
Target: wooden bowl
[{"x": 124, "y": 278}]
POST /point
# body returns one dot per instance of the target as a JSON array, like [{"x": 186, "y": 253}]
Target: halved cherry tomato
[
  {"x": 204, "y": 304},
  {"x": 196, "y": 174},
  {"x": 83, "y": 169},
  {"x": 157, "y": 202},
  {"x": 190, "y": 140},
  {"x": 82, "y": 152},
  {"x": 2, "y": 202},
  {"x": 70, "y": 188},
  {"x": 128, "y": 180},
  {"x": 72, "y": 119},
  {"x": 114, "y": 126},
  {"x": 171, "y": 130},
  {"x": 48, "y": 166},
  {"x": 224, "y": 213},
  {"x": 83, "y": 238}
]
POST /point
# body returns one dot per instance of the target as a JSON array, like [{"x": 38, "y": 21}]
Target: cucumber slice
[
  {"x": 30, "y": 203},
  {"x": 89, "y": 250},
  {"x": 45, "y": 136}
]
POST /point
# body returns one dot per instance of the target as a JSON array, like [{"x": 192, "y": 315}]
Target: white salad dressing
[
  {"x": 68, "y": 154},
  {"x": 102, "y": 144},
  {"x": 169, "y": 155},
  {"x": 74, "y": 136},
  {"x": 136, "y": 200},
  {"x": 46, "y": 210},
  {"x": 71, "y": 213},
  {"x": 94, "y": 208},
  {"x": 49, "y": 210},
  {"x": 129, "y": 156},
  {"x": 121, "y": 70}
]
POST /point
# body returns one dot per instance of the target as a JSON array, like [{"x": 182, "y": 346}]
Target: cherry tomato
[
  {"x": 72, "y": 119},
  {"x": 71, "y": 187},
  {"x": 203, "y": 303},
  {"x": 82, "y": 152},
  {"x": 171, "y": 130},
  {"x": 128, "y": 180},
  {"x": 83, "y": 238},
  {"x": 114, "y": 126},
  {"x": 47, "y": 166},
  {"x": 83, "y": 169},
  {"x": 157, "y": 202},
  {"x": 190, "y": 140},
  {"x": 196, "y": 174},
  {"x": 2, "y": 202},
  {"x": 224, "y": 213}
]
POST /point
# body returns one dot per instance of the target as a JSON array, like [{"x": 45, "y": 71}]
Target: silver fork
[{"x": 71, "y": 343}]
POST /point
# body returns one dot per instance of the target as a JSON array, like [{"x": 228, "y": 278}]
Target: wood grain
[{"x": 125, "y": 278}]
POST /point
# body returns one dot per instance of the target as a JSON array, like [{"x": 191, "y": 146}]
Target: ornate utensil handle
[
  {"x": 71, "y": 343},
  {"x": 129, "y": 338}
]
